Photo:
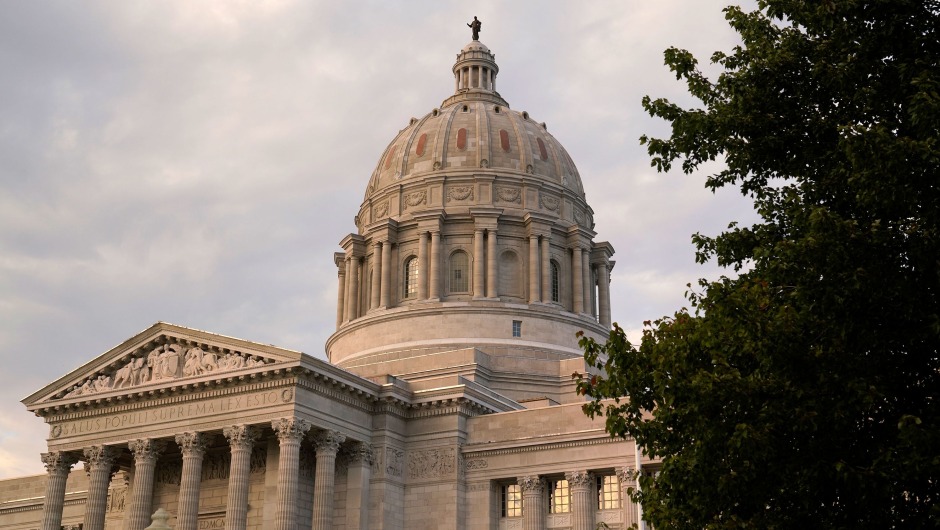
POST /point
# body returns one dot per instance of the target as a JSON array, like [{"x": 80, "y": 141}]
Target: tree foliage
[{"x": 802, "y": 392}]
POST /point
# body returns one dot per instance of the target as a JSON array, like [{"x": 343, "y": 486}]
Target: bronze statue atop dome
[{"x": 475, "y": 28}]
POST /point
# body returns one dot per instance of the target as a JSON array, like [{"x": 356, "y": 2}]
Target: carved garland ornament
[
  {"x": 381, "y": 210},
  {"x": 460, "y": 193},
  {"x": 166, "y": 361},
  {"x": 416, "y": 198},
  {"x": 509, "y": 195},
  {"x": 549, "y": 203}
]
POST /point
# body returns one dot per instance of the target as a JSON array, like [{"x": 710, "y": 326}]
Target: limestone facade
[{"x": 447, "y": 401}]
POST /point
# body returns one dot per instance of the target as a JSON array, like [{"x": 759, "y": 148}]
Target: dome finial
[{"x": 475, "y": 28}]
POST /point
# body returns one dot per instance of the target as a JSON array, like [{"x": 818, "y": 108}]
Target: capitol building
[{"x": 447, "y": 401}]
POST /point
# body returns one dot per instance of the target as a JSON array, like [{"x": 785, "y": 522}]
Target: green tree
[{"x": 801, "y": 391}]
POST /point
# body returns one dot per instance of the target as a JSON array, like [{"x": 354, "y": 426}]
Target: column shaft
[
  {"x": 533, "y": 510},
  {"x": 586, "y": 282},
  {"x": 58, "y": 465},
  {"x": 492, "y": 265},
  {"x": 533, "y": 269},
  {"x": 98, "y": 459},
  {"x": 577, "y": 277},
  {"x": 376, "y": 275},
  {"x": 603, "y": 294},
  {"x": 385, "y": 301},
  {"x": 348, "y": 288},
  {"x": 327, "y": 443},
  {"x": 631, "y": 513},
  {"x": 358, "y": 475},
  {"x": 193, "y": 447},
  {"x": 582, "y": 507},
  {"x": 340, "y": 297},
  {"x": 423, "y": 266},
  {"x": 353, "y": 301},
  {"x": 435, "y": 257},
  {"x": 146, "y": 452},
  {"x": 289, "y": 433},
  {"x": 546, "y": 270},
  {"x": 478, "y": 262},
  {"x": 241, "y": 438}
]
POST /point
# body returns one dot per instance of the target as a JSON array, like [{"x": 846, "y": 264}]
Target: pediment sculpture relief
[{"x": 165, "y": 362}]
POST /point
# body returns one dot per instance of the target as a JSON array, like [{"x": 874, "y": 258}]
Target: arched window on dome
[
  {"x": 459, "y": 272},
  {"x": 411, "y": 278},
  {"x": 553, "y": 265}
]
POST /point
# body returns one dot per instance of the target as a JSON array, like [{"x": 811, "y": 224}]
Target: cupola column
[
  {"x": 386, "y": 274},
  {"x": 347, "y": 288},
  {"x": 546, "y": 269},
  {"x": 478, "y": 262},
  {"x": 492, "y": 265},
  {"x": 603, "y": 294},
  {"x": 435, "y": 265},
  {"x": 376, "y": 288},
  {"x": 533, "y": 269},
  {"x": 423, "y": 266},
  {"x": 588, "y": 284},
  {"x": 340, "y": 260},
  {"x": 58, "y": 465},
  {"x": 98, "y": 460},
  {"x": 578, "y": 280},
  {"x": 353, "y": 301}
]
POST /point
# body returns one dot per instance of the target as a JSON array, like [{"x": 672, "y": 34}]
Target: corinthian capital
[
  {"x": 99, "y": 456},
  {"x": 578, "y": 479},
  {"x": 146, "y": 449},
  {"x": 361, "y": 453},
  {"x": 532, "y": 484},
  {"x": 627, "y": 476},
  {"x": 290, "y": 429},
  {"x": 191, "y": 443},
  {"x": 328, "y": 441},
  {"x": 58, "y": 461},
  {"x": 241, "y": 436}
]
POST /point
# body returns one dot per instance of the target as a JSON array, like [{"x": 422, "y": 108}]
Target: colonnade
[
  {"x": 475, "y": 77},
  {"x": 589, "y": 274},
  {"x": 583, "y": 500},
  {"x": 100, "y": 461}
]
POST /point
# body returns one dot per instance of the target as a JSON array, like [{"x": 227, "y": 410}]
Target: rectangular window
[
  {"x": 511, "y": 500},
  {"x": 608, "y": 493},
  {"x": 559, "y": 500},
  {"x": 516, "y": 328}
]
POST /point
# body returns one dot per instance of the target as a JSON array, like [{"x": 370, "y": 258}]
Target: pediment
[{"x": 163, "y": 354}]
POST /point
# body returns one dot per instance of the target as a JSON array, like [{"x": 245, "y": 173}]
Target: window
[
  {"x": 608, "y": 492},
  {"x": 559, "y": 500},
  {"x": 516, "y": 328},
  {"x": 511, "y": 501},
  {"x": 554, "y": 271},
  {"x": 459, "y": 272},
  {"x": 411, "y": 277}
]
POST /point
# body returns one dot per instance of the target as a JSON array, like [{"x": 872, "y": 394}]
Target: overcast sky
[{"x": 198, "y": 162}]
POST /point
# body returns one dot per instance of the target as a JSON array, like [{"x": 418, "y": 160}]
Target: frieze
[
  {"x": 460, "y": 193},
  {"x": 388, "y": 461},
  {"x": 164, "y": 362},
  {"x": 476, "y": 463},
  {"x": 509, "y": 195},
  {"x": 139, "y": 418},
  {"x": 170, "y": 473},
  {"x": 432, "y": 463},
  {"x": 216, "y": 465}
]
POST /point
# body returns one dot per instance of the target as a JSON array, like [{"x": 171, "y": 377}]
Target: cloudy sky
[{"x": 198, "y": 162}]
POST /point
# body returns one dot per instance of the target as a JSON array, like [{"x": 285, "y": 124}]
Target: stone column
[
  {"x": 533, "y": 269},
  {"x": 586, "y": 282},
  {"x": 58, "y": 465},
  {"x": 376, "y": 275},
  {"x": 533, "y": 509},
  {"x": 478, "y": 262},
  {"x": 492, "y": 265},
  {"x": 348, "y": 287},
  {"x": 193, "y": 447},
  {"x": 631, "y": 512},
  {"x": 361, "y": 457},
  {"x": 341, "y": 296},
  {"x": 546, "y": 270},
  {"x": 289, "y": 433},
  {"x": 423, "y": 266},
  {"x": 353, "y": 301},
  {"x": 385, "y": 301},
  {"x": 241, "y": 438},
  {"x": 327, "y": 444},
  {"x": 603, "y": 294},
  {"x": 582, "y": 506},
  {"x": 146, "y": 451},
  {"x": 435, "y": 257},
  {"x": 98, "y": 462},
  {"x": 577, "y": 277}
]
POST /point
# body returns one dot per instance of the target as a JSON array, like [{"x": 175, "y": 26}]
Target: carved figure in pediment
[
  {"x": 102, "y": 383},
  {"x": 124, "y": 377},
  {"x": 166, "y": 364},
  {"x": 86, "y": 388},
  {"x": 139, "y": 372}
]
